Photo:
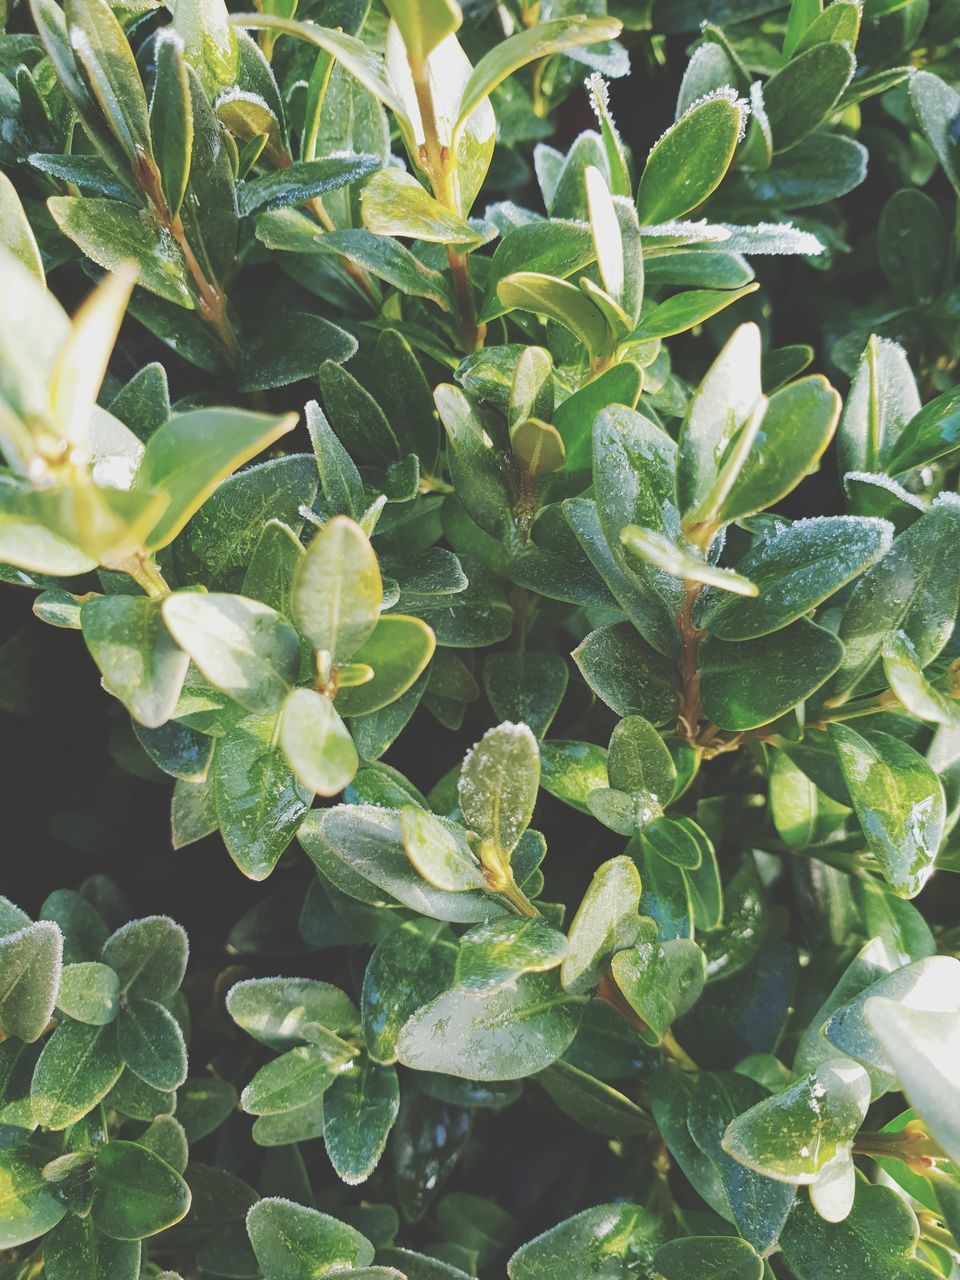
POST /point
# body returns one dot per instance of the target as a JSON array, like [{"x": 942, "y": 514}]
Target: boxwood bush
[{"x": 499, "y": 465}]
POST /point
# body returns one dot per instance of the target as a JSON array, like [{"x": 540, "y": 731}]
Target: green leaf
[
  {"x": 135, "y": 1193},
  {"x": 77, "y": 1248},
  {"x": 149, "y": 957},
  {"x": 747, "y": 683},
  {"x": 292, "y": 1242},
  {"x": 297, "y": 1079},
  {"x": 793, "y": 1135},
  {"x": 596, "y": 1106},
  {"x": 151, "y": 1044},
  {"x": 659, "y": 980},
  {"x": 795, "y": 567},
  {"x": 171, "y": 119},
  {"x": 796, "y": 428},
  {"x": 676, "y": 840},
  {"x": 475, "y": 466},
  {"x": 883, "y": 399},
  {"x": 413, "y": 964},
  {"x": 316, "y": 742},
  {"x": 188, "y": 456},
  {"x": 102, "y": 49},
  {"x": 922, "y": 1048},
  {"x": 360, "y": 849},
  {"x": 516, "y": 51},
  {"x": 525, "y": 686},
  {"x": 709, "y": 1257},
  {"x": 560, "y": 301},
  {"x": 609, "y": 1241},
  {"x": 627, "y": 674},
  {"x": 394, "y": 203},
  {"x": 553, "y": 247},
  {"x": 606, "y": 921},
  {"x": 929, "y": 435},
  {"x": 901, "y": 666},
  {"x": 284, "y": 1012},
  {"x": 878, "y": 1238},
  {"x": 29, "y": 1206},
  {"x": 244, "y": 511},
  {"x": 30, "y": 971},
  {"x": 398, "y": 651},
  {"x": 89, "y": 992},
  {"x": 498, "y": 951},
  {"x": 79, "y": 1065},
  {"x": 210, "y": 46},
  {"x": 302, "y": 181},
  {"x": 503, "y": 1034},
  {"x": 260, "y": 804},
  {"x": 913, "y": 589},
  {"x": 423, "y": 24},
  {"x": 574, "y": 418},
  {"x": 359, "y": 1112},
  {"x": 686, "y": 310},
  {"x": 242, "y": 647},
  {"x": 338, "y": 593},
  {"x": 140, "y": 662},
  {"x": 498, "y": 784},
  {"x": 899, "y": 802},
  {"x": 936, "y": 104},
  {"x": 689, "y": 162},
  {"x": 112, "y": 233},
  {"x": 806, "y": 91}
]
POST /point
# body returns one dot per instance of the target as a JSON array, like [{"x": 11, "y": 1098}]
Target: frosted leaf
[{"x": 772, "y": 238}]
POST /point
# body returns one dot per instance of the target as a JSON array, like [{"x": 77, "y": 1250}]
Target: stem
[
  {"x": 886, "y": 701},
  {"x": 690, "y": 637},
  {"x": 143, "y": 569},
  {"x": 213, "y": 303},
  {"x": 474, "y": 333},
  {"x": 912, "y": 1145},
  {"x": 499, "y": 877},
  {"x": 356, "y": 274},
  {"x": 677, "y": 1052}
]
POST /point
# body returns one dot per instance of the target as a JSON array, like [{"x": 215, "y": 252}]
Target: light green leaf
[
  {"x": 498, "y": 784},
  {"x": 296, "y": 1079},
  {"x": 284, "y": 1012},
  {"x": 140, "y": 662},
  {"x": 606, "y": 921},
  {"x": 806, "y": 91},
  {"x": 560, "y": 301},
  {"x": 516, "y": 51},
  {"x": 676, "y": 560},
  {"x": 316, "y": 742},
  {"x": 924, "y": 1050},
  {"x": 423, "y": 24},
  {"x": 901, "y": 666},
  {"x": 498, "y": 951},
  {"x": 398, "y": 651},
  {"x": 686, "y": 310},
  {"x": 338, "y": 593},
  {"x": 171, "y": 118},
  {"x": 639, "y": 760},
  {"x": 793, "y": 1135},
  {"x": 89, "y": 992},
  {"x": 242, "y": 647},
  {"x": 659, "y": 980},
  {"x": 360, "y": 849},
  {"x": 16, "y": 234},
  {"x": 189, "y": 455},
  {"x": 393, "y": 203},
  {"x": 440, "y": 852}
]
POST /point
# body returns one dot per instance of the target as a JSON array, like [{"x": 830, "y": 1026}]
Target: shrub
[{"x": 427, "y": 475}]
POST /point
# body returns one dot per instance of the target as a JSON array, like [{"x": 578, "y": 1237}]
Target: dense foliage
[{"x": 412, "y": 412}]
